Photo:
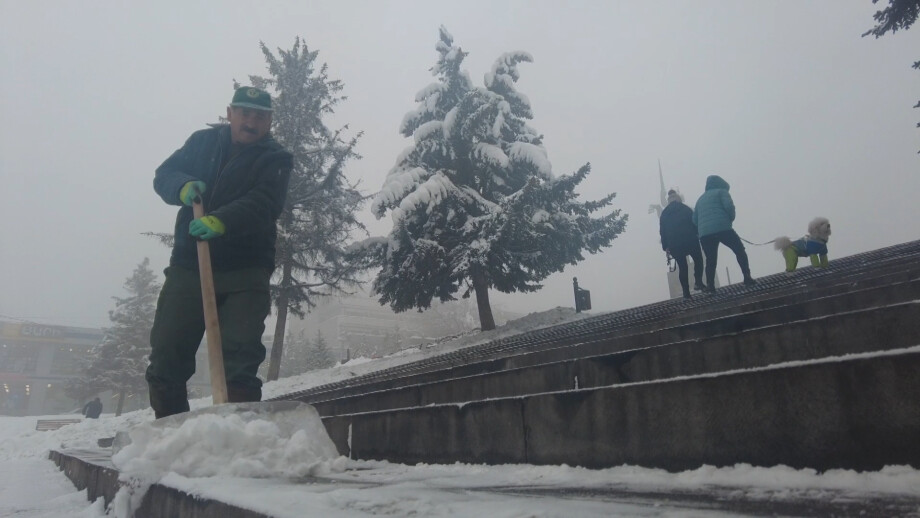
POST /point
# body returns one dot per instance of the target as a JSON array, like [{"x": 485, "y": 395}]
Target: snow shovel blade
[{"x": 289, "y": 416}]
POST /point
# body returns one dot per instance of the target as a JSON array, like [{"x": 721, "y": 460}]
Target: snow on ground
[
  {"x": 36, "y": 488},
  {"x": 267, "y": 466}
]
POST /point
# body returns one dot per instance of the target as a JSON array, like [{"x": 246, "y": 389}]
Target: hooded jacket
[
  {"x": 246, "y": 192},
  {"x": 715, "y": 210}
]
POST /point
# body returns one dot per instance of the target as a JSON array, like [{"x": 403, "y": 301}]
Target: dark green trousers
[{"x": 243, "y": 302}]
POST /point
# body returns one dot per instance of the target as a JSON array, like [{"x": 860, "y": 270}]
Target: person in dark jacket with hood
[
  {"x": 240, "y": 174},
  {"x": 713, "y": 216},
  {"x": 679, "y": 239}
]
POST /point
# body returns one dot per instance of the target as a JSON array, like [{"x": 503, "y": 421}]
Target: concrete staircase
[
  {"x": 812, "y": 369},
  {"x": 815, "y": 369}
]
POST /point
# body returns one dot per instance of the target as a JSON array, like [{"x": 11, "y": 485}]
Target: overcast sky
[{"x": 783, "y": 99}]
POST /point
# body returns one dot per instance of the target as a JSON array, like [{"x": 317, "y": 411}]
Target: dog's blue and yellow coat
[{"x": 806, "y": 247}]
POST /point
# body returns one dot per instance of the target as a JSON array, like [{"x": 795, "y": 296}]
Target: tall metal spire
[{"x": 664, "y": 195}]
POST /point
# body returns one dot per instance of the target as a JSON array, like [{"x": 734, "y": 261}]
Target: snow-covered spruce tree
[
  {"x": 296, "y": 349},
  {"x": 319, "y": 215},
  {"x": 119, "y": 361},
  {"x": 318, "y": 355},
  {"x": 474, "y": 201}
]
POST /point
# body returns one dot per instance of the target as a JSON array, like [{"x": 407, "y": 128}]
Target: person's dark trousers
[
  {"x": 710, "y": 246},
  {"x": 680, "y": 257},
  {"x": 681, "y": 260},
  {"x": 243, "y": 302},
  {"x": 697, "y": 255}
]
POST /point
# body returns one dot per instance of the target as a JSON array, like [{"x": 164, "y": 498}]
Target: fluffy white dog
[{"x": 813, "y": 245}]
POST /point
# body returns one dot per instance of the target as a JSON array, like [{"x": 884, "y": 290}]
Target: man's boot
[
  {"x": 238, "y": 393},
  {"x": 167, "y": 401},
  {"x": 698, "y": 285}
]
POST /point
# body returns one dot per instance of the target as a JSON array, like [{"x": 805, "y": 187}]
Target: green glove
[
  {"x": 190, "y": 191},
  {"x": 206, "y": 228}
]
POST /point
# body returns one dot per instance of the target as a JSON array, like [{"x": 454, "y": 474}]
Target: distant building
[
  {"x": 35, "y": 360},
  {"x": 358, "y": 325}
]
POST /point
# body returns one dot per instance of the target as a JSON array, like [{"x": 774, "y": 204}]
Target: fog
[{"x": 785, "y": 100}]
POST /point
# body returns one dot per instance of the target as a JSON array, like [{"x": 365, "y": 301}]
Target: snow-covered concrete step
[
  {"x": 600, "y": 343},
  {"x": 875, "y": 329},
  {"x": 93, "y": 470},
  {"x": 890, "y": 282},
  {"x": 368, "y": 488},
  {"x": 736, "y": 500},
  {"x": 858, "y": 411}
]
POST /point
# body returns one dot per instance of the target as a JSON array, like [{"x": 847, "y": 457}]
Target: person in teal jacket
[{"x": 713, "y": 216}]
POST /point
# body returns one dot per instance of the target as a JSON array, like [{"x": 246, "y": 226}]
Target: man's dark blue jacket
[{"x": 246, "y": 190}]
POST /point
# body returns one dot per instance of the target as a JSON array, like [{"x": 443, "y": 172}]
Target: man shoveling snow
[{"x": 239, "y": 173}]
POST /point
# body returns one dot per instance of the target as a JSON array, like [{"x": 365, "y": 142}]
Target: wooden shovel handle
[{"x": 211, "y": 323}]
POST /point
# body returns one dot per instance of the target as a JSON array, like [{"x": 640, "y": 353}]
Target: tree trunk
[
  {"x": 274, "y": 364},
  {"x": 486, "y": 321},
  {"x": 121, "y": 403}
]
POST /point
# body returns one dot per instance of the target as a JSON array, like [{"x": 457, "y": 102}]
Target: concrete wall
[
  {"x": 590, "y": 338},
  {"x": 860, "y": 331},
  {"x": 641, "y": 408},
  {"x": 858, "y": 414}
]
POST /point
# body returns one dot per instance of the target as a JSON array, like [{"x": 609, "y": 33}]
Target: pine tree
[
  {"x": 319, "y": 216},
  {"x": 118, "y": 363},
  {"x": 296, "y": 354},
  {"x": 319, "y": 356},
  {"x": 900, "y": 14},
  {"x": 474, "y": 201}
]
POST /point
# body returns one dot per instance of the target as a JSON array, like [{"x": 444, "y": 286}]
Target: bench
[{"x": 44, "y": 425}]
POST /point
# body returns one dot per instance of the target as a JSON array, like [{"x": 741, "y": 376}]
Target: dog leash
[{"x": 757, "y": 244}]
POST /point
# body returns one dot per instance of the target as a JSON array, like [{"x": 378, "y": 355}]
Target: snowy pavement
[
  {"x": 36, "y": 488},
  {"x": 369, "y": 488},
  {"x": 32, "y": 487}
]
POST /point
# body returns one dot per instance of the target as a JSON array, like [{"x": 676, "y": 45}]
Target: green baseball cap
[{"x": 251, "y": 97}]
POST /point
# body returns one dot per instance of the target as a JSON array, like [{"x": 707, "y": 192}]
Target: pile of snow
[{"x": 279, "y": 439}]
